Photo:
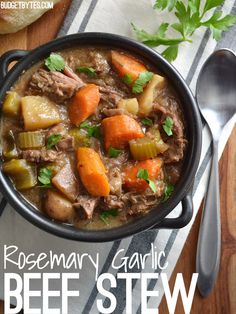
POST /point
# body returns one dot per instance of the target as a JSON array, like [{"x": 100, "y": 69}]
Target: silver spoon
[{"x": 216, "y": 97}]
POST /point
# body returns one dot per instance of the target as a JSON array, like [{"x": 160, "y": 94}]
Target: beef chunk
[
  {"x": 133, "y": 203},
  {"x": 67, "y": 141},
  {"x": 66, "y": 182},
  {"x": 114, "y": 112},
  {"x": 57, "y": 129},
  {"x": 35, "y": 155},
  {"x": 86, "y": 204},
  {"x": 172, "y": 173},
  {"x": 70, "y": 73},
  {"x": 176, "y": 149},
  {"x": 100, "y": 63},
  {"x": 112, "y": 99},
  {"x": 114, "y": 201},
  {"x": 178, "y": 127},
  {"x": 115, "y": 180},
  {"x": 111, "y": 95},
  {"x": 177, "y": 143},
  {"x": 66, "y": 144},
  {"x": 55, "y": 85}
]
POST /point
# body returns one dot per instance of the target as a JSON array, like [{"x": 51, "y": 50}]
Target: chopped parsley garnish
[
  {"x": 84, "y": 125},
  {"x": 55, "y": 62},
  {"x": 142, "y": 80},
  {"x": 91, "y": 72},
  {"x": 147, "y": 122},
  {"x": 45, "y": 176},
  {"x": 92, "y": 130},
  {"x": 53, "y": 140},
  {"x": 104, "y": 216},
  {"x": 168, "y": 125},
  {"x": 169, "y": 188},
  {"x": 143, "y": 174},
  {"x": 113, "y": 152},
  {"x": 127, "y": 79}
]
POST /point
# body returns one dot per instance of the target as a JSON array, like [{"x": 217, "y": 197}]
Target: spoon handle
[{"x": 209, "y": 240}]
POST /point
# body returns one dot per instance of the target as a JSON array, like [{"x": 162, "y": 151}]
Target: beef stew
[{"x": 93, "y": 137}]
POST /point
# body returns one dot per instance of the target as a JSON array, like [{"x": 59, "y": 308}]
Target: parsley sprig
[
  {"x": 113, "y": 152},
  {"x": 168, "y": 125},
  {"x": 169, "y": 188},
  {"x": 142, "y": 80},
  {"x": 147, "y": 122},
  {"x": 127, "y": 79},
  {"x": 143, "y": 174},
  {"x": 191, "y": 15},
  {"x": 91, "y": 72},
  {"x": 104, "y": 216},
  {"x": 45, "y": 176},
  {"x": 55, "y": 62},
  {"x": 53, "y": 140},
  {"x": 93, "y": 130}
]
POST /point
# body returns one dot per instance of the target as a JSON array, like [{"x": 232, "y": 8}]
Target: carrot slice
[
  {"x": 127, "y": 65},
  {"x": 92, "y": 172},
  {"x": 131, "y": 182},
  {"x": 84, "y": 103},
  {"x": 119, "y": 130}
]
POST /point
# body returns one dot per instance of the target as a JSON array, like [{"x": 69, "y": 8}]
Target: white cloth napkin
[{"x": 115, "y": 17}]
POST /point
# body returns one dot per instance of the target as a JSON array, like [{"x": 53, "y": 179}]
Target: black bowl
[{"x": 182, "y": 191}]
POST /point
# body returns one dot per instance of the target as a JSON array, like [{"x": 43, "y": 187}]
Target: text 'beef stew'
[{"x": 93, "y": 137}]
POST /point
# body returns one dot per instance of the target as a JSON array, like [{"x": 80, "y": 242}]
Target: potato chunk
[
  {"x": 39, "y": 112},
  {"x": 130, "y": 105},
  {"x": 58, "y": 207},
  {"x": 147, "y": 97}
]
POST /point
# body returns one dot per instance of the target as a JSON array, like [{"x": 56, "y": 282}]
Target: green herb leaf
[
  {"x": 190, "y": 17},
  {"x": 104, "y": 216},
  {"x": 147, "y": 121},
  {"x": 142, "y": 80},
  {"x": 170, "y": 53},
  {"x": 84, "y": 125},
  {"x": 217, "y": 24},
  {"x": 92, "y": 130},
  {"x": 167, "y": 126},
  {"x": 113, "y": 152},
  {"x": 143, "y": 174},
  {"x": 91, "y": 72},
  {"x": 163, "y": 4},
  {"x": 210, "y": 4},
  {"x": 45, "y": 176},
  {"x": 152, "y": 185},
  {"x": 169, "y": 188},
  {"x": 127, "y": 79},
  {"x": 55, "y": 62},
  {"x": 53, "y": 140}
]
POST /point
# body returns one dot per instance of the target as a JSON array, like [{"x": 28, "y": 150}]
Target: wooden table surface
[{"x": 223, "y": 299}]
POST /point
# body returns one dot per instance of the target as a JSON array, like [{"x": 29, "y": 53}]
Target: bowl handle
[
  {"x": 7, "y": 58},
  {"x": 183, "y": 219}
]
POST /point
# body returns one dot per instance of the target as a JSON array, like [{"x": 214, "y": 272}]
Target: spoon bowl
[
  {"x": 216, "y": 97},
  {"x": 216, "y": 89}
]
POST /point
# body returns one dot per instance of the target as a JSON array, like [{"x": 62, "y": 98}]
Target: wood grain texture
[{"x": 223, "y": 299}]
